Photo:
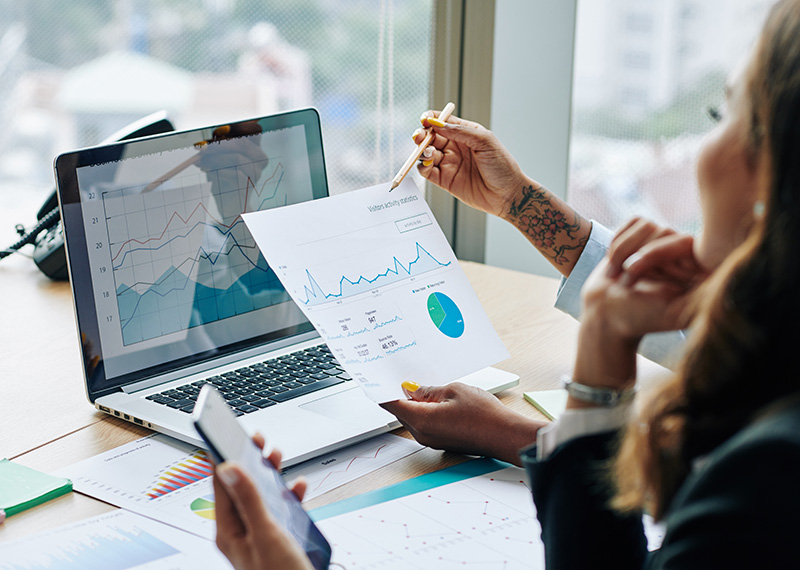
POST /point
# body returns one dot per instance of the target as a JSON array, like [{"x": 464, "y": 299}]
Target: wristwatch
[{"x": 606, "y": 397}]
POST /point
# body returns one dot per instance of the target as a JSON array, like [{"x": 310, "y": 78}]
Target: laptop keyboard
[{"x": 252, "y": 388}]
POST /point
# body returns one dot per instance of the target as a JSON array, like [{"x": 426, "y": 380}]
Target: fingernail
[
  {"x": 415, "y": 133},
  {"x": 428, "y": 152},
  {"x": 411, "y": 386},
  {"x": 436, "y": 122},
  {"x": 427, "y": 162},
  {"x": 228, "y": 474}
]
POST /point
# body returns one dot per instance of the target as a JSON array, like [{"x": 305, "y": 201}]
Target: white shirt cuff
[
  {"x": 569, "y": 291},
  {"x": 578, "y": 423}
]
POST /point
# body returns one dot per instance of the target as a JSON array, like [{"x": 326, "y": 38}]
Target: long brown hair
[{"x": 742, "y": 355}]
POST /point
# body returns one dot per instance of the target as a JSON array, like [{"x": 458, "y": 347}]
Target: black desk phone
[{"x": 47, "y": 236}]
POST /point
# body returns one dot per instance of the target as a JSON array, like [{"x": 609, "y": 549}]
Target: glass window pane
[
  {"x": 644, "y": 74},
  {"x": 74, "y": 71}
]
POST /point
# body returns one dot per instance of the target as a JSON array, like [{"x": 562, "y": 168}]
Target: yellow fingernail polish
[
  {"x": 414, "y": 134},
  {"x": 410, "y": 386},
  {"x": 435, "y": 122},
  {"x": 427, "y": 162}
]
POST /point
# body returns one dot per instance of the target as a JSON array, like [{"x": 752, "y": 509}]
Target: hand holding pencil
[
  {"x": 469, "y": 162},
  {"x": 443, "y": 116}
]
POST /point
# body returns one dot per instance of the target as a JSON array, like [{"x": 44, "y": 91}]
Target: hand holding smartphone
[{"x": 227, "y": 441}]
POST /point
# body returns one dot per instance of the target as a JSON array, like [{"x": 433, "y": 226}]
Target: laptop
[{"x": 171, "y": 292}]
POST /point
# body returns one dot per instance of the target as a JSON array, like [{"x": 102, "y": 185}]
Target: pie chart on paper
[
  {"x": 204, "y": 507},
  {"x": 446, "y": 315}
]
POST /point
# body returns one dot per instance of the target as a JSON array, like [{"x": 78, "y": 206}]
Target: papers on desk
[
  {"x": 335, "y": 469},
  {"x": 375, "y": 275},
  {"x": 156, "y": 476},
  {"x": 170, "y": 481},
  {"x": 113, "y": 541},
  {"x": 476, "y": 515}
]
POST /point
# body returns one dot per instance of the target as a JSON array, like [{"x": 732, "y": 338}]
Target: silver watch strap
[{"x": 606, "y": 397}]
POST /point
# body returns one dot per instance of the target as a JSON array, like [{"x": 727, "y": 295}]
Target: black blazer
[{"x": 740, "y": 509}]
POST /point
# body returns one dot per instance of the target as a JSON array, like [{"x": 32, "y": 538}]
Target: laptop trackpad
[{"x": 349, "y": 405}]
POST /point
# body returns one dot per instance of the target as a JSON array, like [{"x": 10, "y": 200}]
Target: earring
[{"x": 758, "y": 209}]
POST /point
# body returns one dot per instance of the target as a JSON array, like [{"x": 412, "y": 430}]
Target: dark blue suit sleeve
[{"x": 571, "y": 489}]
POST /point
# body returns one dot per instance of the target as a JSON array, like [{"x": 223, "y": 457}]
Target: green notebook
[{"x": 22, "y": 487}]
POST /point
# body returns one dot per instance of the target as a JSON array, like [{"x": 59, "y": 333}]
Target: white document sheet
[
  {"x": 170, "y": 481},
  {"x": 481, "y": 522},
  {"x": 113, "y": 541},
  {"x": 373, "y": 272},
  {"x": 156, "y": 476},
  {"x": 344, "y": 465}
]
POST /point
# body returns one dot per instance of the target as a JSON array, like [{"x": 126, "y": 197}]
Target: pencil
[
  {"x": 182, "y": 166},
  {"x": 443, "y": 116},
  {"x": 219, "y": 131}
]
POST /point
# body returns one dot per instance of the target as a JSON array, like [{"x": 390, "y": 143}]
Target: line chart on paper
[
  {"x": 398, "y": 270},
  {"x": 375, "y": 275},
  {"x": 335, "y": 469},
  {"x": 485, "y": 522}
]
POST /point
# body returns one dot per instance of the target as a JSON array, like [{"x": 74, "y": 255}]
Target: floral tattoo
[{"x": 546, "y": 227}]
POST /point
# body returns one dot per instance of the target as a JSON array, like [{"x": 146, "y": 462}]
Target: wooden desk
[{"x": 47, "y": 422}]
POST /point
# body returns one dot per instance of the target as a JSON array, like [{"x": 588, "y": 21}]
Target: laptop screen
[{"x": 164, "y": 272}]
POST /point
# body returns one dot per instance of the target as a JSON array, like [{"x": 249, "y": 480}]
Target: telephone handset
[{"x": 47, "y": 235}]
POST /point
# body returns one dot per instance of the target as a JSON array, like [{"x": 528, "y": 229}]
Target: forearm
[
  {"x": 554, "y": 228},
  {"x": 605, "y": 358},
  {"x": 517, "y": 433}
]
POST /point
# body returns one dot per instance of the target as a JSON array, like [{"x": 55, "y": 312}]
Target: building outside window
[
  {"x": 644, "y": 73},
  {"x": 74, "y": 71}
]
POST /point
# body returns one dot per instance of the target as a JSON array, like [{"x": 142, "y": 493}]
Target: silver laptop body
[{"x": 171, "y": 292}]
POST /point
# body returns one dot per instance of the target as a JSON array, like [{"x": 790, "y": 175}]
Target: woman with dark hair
[{"x": 713, "y": 451}]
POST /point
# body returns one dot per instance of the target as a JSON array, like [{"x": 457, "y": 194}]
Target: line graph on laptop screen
[
  {"x": 182, "y": 256},
  {"x": 171, "y": 251}
]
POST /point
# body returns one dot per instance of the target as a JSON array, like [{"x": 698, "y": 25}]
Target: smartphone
[{"x": 227, "y": 441}]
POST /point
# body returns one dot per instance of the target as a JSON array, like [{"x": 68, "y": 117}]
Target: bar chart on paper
[
  {"x": 194, "y": 468},
  {"x": 375, "y": 275},
  {"x": 157, "y": 477}
]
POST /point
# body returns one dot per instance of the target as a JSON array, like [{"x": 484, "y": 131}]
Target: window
[
  {"x": 635, "y": 136},
  {"x": 636, "y": 60},
  {"x": 74, "y": 71},
  {"x": 637, "y": 22}
]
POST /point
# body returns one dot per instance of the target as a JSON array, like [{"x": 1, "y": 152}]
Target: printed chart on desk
[
  {"x": 119, "y": 540},
  {"x": 485, "y": 522},
  {"x": 170, "y": 481},
  {"x": 375, "y": 275},
  {"x": 157, "y": 477}
]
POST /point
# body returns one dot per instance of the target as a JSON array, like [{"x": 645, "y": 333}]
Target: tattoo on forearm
[{"x": 546, "y": 227}]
